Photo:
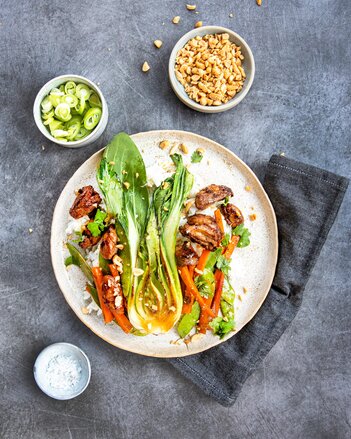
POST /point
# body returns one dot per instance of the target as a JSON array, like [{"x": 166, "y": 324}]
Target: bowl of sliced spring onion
[{"x": 70, "y": 110}]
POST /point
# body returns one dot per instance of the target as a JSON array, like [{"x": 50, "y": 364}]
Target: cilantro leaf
[
  {"x": 223, "y": 264},
  {"x": 97, "y": 226},
  {"x": 244, "y": 234},
  {"x": 221, "y": 327},
  {"x": 196, "y": 157},
  {"x": 94, "y": 229},
  {"x": 79, "y": 237},
  {"x": 100, "y": 216},
  {"x": 226, "y": 201},
  {"x": 225, "y": 240}
]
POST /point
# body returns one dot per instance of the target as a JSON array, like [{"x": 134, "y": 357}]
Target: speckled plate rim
[{"x": 58, "y": 266}]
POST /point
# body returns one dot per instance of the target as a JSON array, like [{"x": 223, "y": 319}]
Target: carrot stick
[
  {"x": 188, "y": 299},
  {"x": 120, "y": 317},
  {"x": 188, "y": 306},
  {"x": 218, "y": 294},
  {"x": 191, "y": 270},
  {"x": 190, "y": 285},
  {"x": 203, "y": 260},
  {"x": 219, "y": 276},
  {"x": 204, "y": 318},
  {"x": 219, "y": 220},
  {"x": 123, "y": 321},
  {"x": 106, "y": 312},
  {"x": 231, "y": 246}
]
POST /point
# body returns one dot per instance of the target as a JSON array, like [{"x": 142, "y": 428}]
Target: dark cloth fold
[{"x": 306, "y": 201}]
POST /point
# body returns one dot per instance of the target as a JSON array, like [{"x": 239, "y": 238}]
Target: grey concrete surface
[{"x": 299, "y": 104}]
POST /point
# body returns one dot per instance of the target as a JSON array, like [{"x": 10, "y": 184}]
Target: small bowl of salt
[{"x": 62, "y": 371}]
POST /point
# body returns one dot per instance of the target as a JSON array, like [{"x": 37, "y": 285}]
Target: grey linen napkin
[{"x": 306, "y": 200}]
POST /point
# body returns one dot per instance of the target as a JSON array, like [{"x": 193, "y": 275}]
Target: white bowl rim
[
  {"x": 39, "y": 98},
  {"x": 44, "y": 352},
  {"x": 188, "y": 101}
]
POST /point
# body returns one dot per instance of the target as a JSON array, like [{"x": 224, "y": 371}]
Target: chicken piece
[
  {"x": 87, "y": 200},
  {"x": 112, "y": 293},
  {"x": 109, "y": 241},
  {"x": 211, "y": 194},
  {"x": 88, "y": 239},
  {"x": 203, "y": 230},
  {"x": 186, "y": 255},
  {"x": 232, "y": 214}
]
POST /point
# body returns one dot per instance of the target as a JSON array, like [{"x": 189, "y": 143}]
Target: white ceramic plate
[{"x": 253, "y": 266}]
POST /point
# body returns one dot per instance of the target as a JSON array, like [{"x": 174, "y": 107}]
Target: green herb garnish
[
  {"x": 196, "y": 157},
  {"x": 223, "y": 264},
  {"x": 222, "y": 326},
  {"x": 225, "y": 240},
  {"x": 97, "y": 226},
  {"x": 244, "y": 234}
]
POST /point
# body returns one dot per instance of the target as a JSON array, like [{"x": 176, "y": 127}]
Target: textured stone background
[{"x": 299, "y": 104}]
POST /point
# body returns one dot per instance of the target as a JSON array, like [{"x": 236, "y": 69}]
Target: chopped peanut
[
  {"x": 164, "y": 144},
  {"x": 145, "y": 67},
  {"x": 158, "y": 43}
]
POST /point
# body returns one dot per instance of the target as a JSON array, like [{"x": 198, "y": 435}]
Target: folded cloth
[{"x": 306, "y": 201}]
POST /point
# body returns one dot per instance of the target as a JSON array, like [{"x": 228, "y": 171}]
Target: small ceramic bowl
[
  {"x": 248, "y": 65},
  {"x": 55, "y": 83},
  {"x": 49, "y": 359}
]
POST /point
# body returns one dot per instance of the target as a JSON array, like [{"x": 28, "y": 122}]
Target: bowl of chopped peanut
[{"x": 211, "y": 69}]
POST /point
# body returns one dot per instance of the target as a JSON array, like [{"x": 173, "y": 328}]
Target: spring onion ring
[
  {"x": 91, "y": 118},
  {"x": 71, "y": 111}
]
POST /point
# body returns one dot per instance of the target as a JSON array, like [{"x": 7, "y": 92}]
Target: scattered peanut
[
  {"x": 188, "y": 205},
  {"x": 210, "y": 69},
  {"x": 191, "y": 7},
  {"x": 245, "y": 290},
  {"x": 253, "y": 217},
  {"x": 198, "y": 24},
  {"x": 85, "y": 310},
  {"x": 200, "y": 150},
  {"x": 176, "y": 19},
  {"x": 145, "y": 67},
  {"x": 259, "y": 2},
  {"x": 248, "y": 188},
  {"x": 164, "y": 144},
  {"x": 158, "y": 43},
  {"x": 184, "y": 148}
]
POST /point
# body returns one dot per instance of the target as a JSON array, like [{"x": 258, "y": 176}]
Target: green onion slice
[
  {"x": 46, "y": 116},
  {"x": 94, "y": 100},
  {"x": 56, "y": 92},
  {"x": 71, "y": 100},
  {"x": 81, "y": 107},
  {"x": 48, "y": 121},
  {"x": 82, "y": 133},
  {"x": 70, "y": 88},
  {"x": 46, "y": 104},
  {"x": 83, "y": 91},
  {"x": 55, "y": 100},
  {"x": 59, "y": 133},
  {"x": 55, "y": 125},
  {"x": 92, "y": 117},
  {"x": 73, "y": 127},
  {"x": 63, "y": 112}
]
